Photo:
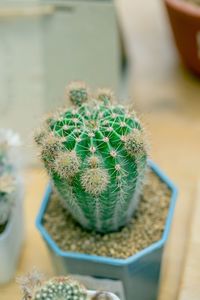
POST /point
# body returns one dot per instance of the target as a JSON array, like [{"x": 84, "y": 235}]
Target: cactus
[
  {"x": 29, "y": 283},
  {"x": 60, "y": 288},
  {"x": 7, "y": 188},
  {"x": 96, "y": 155},
  {"x": 34, "y": 287},
  {"x": 8, "y": 180}
]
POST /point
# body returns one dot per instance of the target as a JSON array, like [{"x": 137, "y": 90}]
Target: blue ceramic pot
[{"x": 134, "y": 278}]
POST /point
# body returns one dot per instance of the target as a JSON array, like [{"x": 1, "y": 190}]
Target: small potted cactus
[
  {"x": 99, "y": 217},
  {"x": 11, "y": 213},
  {"x": 34, "y": 287}
]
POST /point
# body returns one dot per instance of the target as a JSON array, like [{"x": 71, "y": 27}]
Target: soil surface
[{"x": 145, "y": 227}]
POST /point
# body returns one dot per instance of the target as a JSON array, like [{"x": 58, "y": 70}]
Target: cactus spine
[{"x": 96, "y": 155}]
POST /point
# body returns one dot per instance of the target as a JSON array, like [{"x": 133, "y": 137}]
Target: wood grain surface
[{"x": 190, "y": 287}]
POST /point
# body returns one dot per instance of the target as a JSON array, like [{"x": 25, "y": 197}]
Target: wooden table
[
  {"x": 189, "y": 287},
  {"x": 168, "y": 99}
]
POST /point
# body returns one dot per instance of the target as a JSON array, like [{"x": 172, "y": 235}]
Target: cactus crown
[
  {"x": 8, "y": 140},
  {"x": 96, "y": 155},
  {"x": 60, "y": 288},
  {"x": 34, "y": 287}
]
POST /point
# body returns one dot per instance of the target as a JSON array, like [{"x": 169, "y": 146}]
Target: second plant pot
[
  {"x": 184, "y": 19},
  {"x": 136, "y": 277},
  {"x": 11, "y": 240}
]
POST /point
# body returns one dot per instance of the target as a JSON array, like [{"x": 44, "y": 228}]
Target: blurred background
[{"x": 127, "y": 45}]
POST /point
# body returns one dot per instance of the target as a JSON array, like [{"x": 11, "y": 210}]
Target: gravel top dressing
[{"x": 145, "y": 227}]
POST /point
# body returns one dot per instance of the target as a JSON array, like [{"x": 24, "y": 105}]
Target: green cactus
[
  {"x": 7, "y": 189},
  {"x": 96, "y": 155},
  {"x": 8, "y": 182},
  {"x": 33, "y": 287},
  {"x": 60, "y": 288}
]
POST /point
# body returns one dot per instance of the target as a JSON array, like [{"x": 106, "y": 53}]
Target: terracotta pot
[{"x": 185, "y": 22}]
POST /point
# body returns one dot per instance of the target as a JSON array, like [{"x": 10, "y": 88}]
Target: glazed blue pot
[{"x": 134, "y": 278}]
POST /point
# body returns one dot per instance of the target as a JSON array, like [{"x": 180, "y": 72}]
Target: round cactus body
[
  {"x": 60, "y": 288},
  {"x": 96, "y": 155}
]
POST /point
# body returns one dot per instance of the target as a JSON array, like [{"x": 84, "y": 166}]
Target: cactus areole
[{"x": 96, "y": 156}]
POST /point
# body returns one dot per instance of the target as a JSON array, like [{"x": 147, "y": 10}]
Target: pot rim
[
  {"x": 109, "y": 260},
  {"x": 184, "y": 7}
]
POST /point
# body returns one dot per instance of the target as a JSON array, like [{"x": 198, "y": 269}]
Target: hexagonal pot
[{"x": 136, "y": 277}]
